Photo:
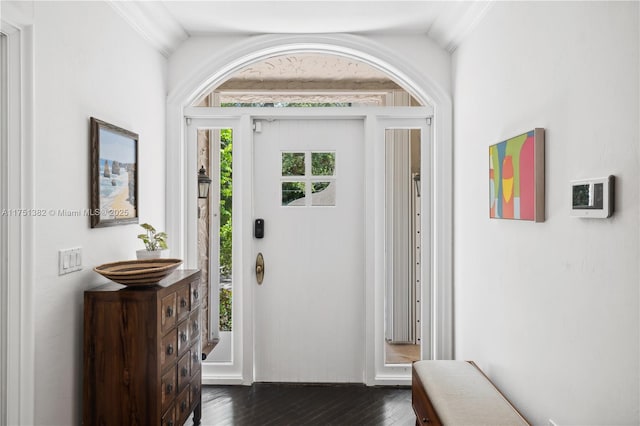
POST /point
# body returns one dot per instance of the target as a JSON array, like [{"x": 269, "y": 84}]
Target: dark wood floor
[{"x": 292, "y": 404}]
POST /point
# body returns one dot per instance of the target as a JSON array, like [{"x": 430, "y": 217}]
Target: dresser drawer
[
  {"x": 183, "y": 336},
  {"x": 183, "y": 405},
  {"x": 196, "y": 295},
  {"x": 184, "y": 371},
  {"x": 184, "y": 302},
  {"x": 169, "y": 387},
  {"x": 168, "y": 313},
  {"x": 194, "y": 321},
  {"x": 196, "y": 360},
  {"x": 168, "y": 349},
  {"x": 169, "y": 418}
]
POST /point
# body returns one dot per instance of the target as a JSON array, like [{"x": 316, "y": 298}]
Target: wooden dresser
[{"x": 142, "y": 353}]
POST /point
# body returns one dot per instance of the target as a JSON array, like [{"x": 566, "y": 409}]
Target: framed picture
[
  {"x": 114, "y": 175},
  {"x": 516, "y": 177}
]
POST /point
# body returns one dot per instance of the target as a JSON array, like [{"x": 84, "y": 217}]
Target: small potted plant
[{"x": 155, "y": 243}]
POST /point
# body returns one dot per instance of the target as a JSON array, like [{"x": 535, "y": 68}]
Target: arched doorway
[{"x": 181, "y": 188}]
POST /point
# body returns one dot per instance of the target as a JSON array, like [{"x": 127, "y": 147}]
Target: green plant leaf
[{"x": 148, "y": 227}]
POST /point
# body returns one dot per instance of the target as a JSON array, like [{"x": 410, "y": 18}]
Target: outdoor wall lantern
[{"x": 203, "y": 183}]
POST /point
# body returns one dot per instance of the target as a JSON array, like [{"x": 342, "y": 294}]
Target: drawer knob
[
  {"x": 195, "y": 326},
  {"x": 170, "y": 423},
  {"x": 183, "y": 336},
  {"x": 183, "y": 406},
  {"x": 183, "y": 303},
  {"x": 195, "y": 358},
  {"x": 184, "y": 371},
  {"x": 169, "y": 388},
  {"x": 170, "y": 350},
  {"x": 170, "y": 311},
  {"x": 195, "y": 294},
  {"x": 425, "y": 420}
]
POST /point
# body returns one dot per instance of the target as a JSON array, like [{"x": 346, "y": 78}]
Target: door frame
[
  {"x": 228, "y": 373},
  {"x": 214, "y": 67},
  {"x": 387, "y": 374},
  {"x": 241, "y": 370},
  {"x": 18, "y": 267}
]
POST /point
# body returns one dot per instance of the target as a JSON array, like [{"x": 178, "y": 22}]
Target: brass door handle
[{"x": 259, "y": 268}]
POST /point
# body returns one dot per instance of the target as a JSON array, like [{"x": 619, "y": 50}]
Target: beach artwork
[
  {"x": 516, "y": 177},
  {"x": 114, "y": 175}
]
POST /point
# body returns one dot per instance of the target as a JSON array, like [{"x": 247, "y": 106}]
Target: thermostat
[{"x": 593, "y": 197}]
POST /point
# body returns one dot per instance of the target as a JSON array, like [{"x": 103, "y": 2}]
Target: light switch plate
[{"x": 69, "y": 260}]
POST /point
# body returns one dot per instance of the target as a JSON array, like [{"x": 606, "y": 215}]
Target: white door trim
[
  {"x": 18, "y": 170},
  {"x": 4, "y": 227},
  {"x": 241, "y": 370},
  {"x": 400, "y": 374},
  {"x": 221, "y": 64},
  {"x": 234, "y": 372}
]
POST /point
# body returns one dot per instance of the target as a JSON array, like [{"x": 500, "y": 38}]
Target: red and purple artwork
[{"x": 516, "y": 177}]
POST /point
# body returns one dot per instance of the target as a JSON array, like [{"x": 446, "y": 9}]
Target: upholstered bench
[{"x": 456, "y": 393}]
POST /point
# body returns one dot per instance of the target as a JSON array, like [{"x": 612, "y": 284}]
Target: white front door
[{"x": 310, "y": 308}]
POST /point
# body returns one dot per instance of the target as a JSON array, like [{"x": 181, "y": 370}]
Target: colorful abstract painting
[{"x": 516, "y": 177}]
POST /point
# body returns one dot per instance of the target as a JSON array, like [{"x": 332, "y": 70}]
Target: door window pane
[
  {"x": 323, "y": 163},
  {"x": 323, "y": 193},
  {"x": 293, "y": 193},
  {"x": 293, "y": 164}
]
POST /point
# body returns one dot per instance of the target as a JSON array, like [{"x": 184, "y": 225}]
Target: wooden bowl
[{"x": 138, "y": 272}]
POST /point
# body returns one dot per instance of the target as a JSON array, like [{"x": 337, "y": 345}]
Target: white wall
[
  {"x": 550, "y": 310},
  {"x": 88, "y": 62}
]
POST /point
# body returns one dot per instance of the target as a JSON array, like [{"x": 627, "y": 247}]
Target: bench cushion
[{"x": 462, "y": 395}]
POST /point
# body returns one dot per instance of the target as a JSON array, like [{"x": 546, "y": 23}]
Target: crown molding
[
  {"x": 153, "y": 22},
  {"x": 450, "y": 29}
]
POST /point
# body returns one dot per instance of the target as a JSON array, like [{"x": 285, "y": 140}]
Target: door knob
[{"x": 259, "y": 268}]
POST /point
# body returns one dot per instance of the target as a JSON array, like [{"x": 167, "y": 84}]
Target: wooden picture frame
[
  {"x": 516, "y": 177},
  {"x": 114, "y": 175}
]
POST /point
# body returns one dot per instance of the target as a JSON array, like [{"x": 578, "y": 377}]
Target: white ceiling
[{"x": 168, "y": 23}]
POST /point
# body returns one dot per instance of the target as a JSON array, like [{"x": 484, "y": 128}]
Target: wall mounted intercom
[{"x": 593, "y": 198}]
